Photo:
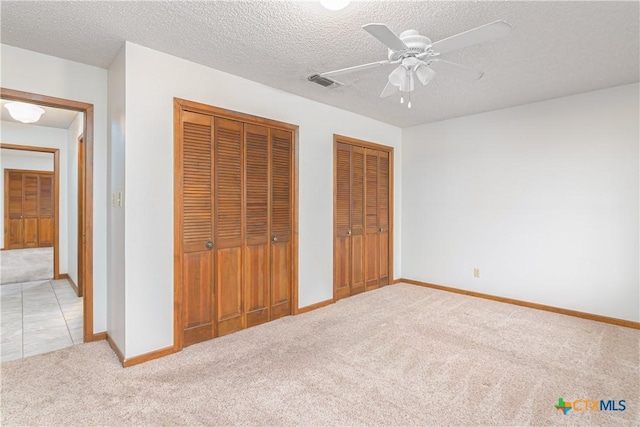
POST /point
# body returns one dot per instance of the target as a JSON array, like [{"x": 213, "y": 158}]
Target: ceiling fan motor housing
[{"x": 416, "y": 43}]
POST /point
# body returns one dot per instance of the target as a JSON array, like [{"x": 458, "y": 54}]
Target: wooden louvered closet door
[
  {"x": 362, "y": 219},
  {"x": 342, "y": 214},
  {"x": 29, "y": 209},
  {"x": 383, "y": 218},
  {"x": 197, "y": 258},
  {"x": 256, "y": 249},
  {"x": 13, "y": 211},
  {"x": 235, "y": 198},
  {"x": 45, "y": 211},
  {"x": 229, "y": 224},
  {"x": 281, "y": 222}
]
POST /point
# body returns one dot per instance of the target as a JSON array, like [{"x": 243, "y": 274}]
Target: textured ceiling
[
  {"x": 52, "y": 117},
  {"x": 555, "y": 48}
]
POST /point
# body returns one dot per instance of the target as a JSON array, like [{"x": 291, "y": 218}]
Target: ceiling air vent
[{"x": 322, "y": 81}]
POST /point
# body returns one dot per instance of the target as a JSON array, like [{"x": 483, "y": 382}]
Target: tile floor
[{"x": 38, "y": 317}]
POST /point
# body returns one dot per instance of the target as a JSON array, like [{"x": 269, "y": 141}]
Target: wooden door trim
[
  {"x": 210, "y": 110},
  {"x": 56, "y": 197},
  {"x": 79, "y": 287},
  {"x": 180, "y": 105},
  {"x": 88, "y": 110},
  {"x": 372, "y": 145}
]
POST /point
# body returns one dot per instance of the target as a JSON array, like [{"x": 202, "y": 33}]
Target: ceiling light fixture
[
  {"x": 334, "y": 4},
  {"x": 23, "y": 112}
]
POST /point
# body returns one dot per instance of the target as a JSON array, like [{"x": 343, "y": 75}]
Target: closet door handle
[
  {"x": 274, "y": 239},
  {"x": 381, "y": 229},
  {"x": 348, "y": 232},
  {"x": 209, "y": 244}
]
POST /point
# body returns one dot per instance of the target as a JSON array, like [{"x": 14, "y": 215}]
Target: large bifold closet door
[
  {"x": 362, "y": 216},
  {"x": 234, "y": 225},
  {"x": 29, "y": 209}
]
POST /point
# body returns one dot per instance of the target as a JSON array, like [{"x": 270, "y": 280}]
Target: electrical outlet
[{"x": 476, "y": 273}]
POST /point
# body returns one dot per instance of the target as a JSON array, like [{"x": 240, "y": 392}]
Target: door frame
[
  {"x": 372, "y": 145},
  {"x": 87, "y": 214},
  {"x": 54, "y": 174},
  {"x": 80, "y": 208},
  {"x": 180, "y": 105}
]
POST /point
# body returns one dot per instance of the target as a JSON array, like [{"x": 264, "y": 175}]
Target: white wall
[
  {"x": 153, "y": 79},
  {"x": 17, "y": 159},
  {"x": 47, "y": 75},
  {"x": 73, "y": 132},
  {"x": 115, "y": 237},
  {"x": 42, "y": 136},
  {"x": 543, "y": 198}
]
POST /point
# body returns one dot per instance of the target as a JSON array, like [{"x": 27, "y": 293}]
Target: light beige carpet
[
  {"x": 26, "y": 265},
  {"x": 401, "y": 355}
]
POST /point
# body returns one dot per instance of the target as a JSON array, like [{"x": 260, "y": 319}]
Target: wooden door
[
  {"x": 357, "y": 220},
  {"x": 13, "y": 210},
  {"x": 30, "y": 210},
  {"x": 256, "y": 247},
  {"x": 229, "y": 224},
  {"x": 45, "y": 211},
  {"x": 362, "y": 217},
  {"x": 195, "y": 180},
  {"x": 372, "y": 241},
  {"x": 383, "y": 218},
  {"x": 342, "y": 239},
  {"x": 81, "y": 204},
  {"x": 240, "y": 177},
  {"x": 281, "y": 222}
]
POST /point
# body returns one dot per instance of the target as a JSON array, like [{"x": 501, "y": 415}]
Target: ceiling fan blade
[
  {"x": 386, "y": 36},
  {"x": 355, "y": 68},
  {"x": 388, "y": 90},
  {"x": 455, "y": 70},
  {"x": 468, "y": 38}
]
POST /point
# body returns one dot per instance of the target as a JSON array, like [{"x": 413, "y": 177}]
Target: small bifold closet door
[{"x": 197, "y": 228}]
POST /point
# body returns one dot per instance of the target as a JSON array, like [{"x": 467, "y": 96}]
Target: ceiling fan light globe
[
  {"x": 425, "y": 74},
  {"x": 408, "y": 82},
  {"x": 398, "y": 76}
]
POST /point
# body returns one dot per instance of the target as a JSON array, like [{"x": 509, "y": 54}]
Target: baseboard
[
  {"x": 565, "y": 311},
  {"x": 156, "y": 354},
  {"x": 115, "y": 349},
  {"x": 99, "y": 336},
  {"x": 73, "y": 284},
  {"x": 393, "y": 282},
  {"x": 312, "y": 307}
]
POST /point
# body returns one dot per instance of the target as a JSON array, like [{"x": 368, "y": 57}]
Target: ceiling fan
[{"x": 418, "y": 57}]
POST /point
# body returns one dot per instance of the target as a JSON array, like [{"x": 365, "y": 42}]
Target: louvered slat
[
  {"x": 281, "y": 183},
  {"x": 30, "y": 195},
  {"x": 46, "y": 196},
  {"x": 196, "y": 183},
  {"x": 383, "y": 190},
  {"x": 343, "y": 188},
  {"x": 228, "y": 166},
  {"x": 257, "y": 181},
  {"x": 357, "y": 193},
  {"x": 372, "y": 188},
  {"x": 15, "y": 194}
]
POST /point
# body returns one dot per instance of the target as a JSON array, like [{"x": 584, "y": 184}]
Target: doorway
[{"x": 85, "y": 198}]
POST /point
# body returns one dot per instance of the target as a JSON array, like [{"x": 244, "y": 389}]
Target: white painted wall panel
[{"x": 543, "y": 198}]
